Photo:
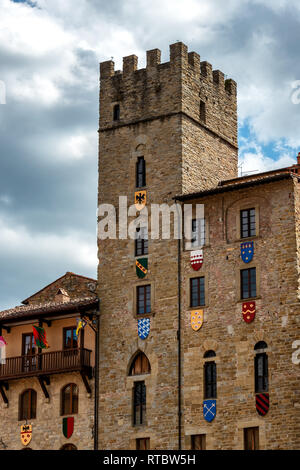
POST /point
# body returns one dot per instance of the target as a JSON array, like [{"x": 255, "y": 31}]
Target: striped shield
[{"x": 262, "y": 403}]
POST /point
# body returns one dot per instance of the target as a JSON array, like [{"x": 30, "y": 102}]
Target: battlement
[{"x": 179, "y": 58}]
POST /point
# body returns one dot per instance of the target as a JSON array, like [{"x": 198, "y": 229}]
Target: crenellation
[
  {"x": 231, "y": 87},
  {"x": 219, "y": 78},
  {"x": 107, "y": 69},
  {"x": 130, "y": 64},
  {"x": 153, "y": 58},
  {"x": 206, "y": 70},
  {"x": 178, "y": 54}
]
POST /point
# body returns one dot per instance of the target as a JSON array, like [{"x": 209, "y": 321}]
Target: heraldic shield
[
  {"x": 26, "y": 434},
  {"x": 247, "y": 251},
  {"x": 262, "y": 403},
  {"x": 140, "y": 200},
  {"x": 141, "y": 267},
  {"x": 209, "y": 410},
  {"x": 144, "y": 328},
  {"x": 196, "y": 259},
  {"x": 68, "y": 427},
  {"x": 249, "y": 310},
  {"x": 197, "y": 317}
]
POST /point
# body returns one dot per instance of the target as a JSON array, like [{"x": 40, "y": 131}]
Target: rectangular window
[
  {"x": 139, "y": 403},
  {"x": 251, "y": 438},
  {"x": 143, "y": 299},
  {"x": 210, "y": 380},
  {"x": 248, "y": 283},
  {"x": 198, "y": 442},
  {"x": 140, "y": 172},
  {"x": 141, "y": 242},
  {"x": 202, "y": 111},
  {"x": 143, "y": 444},
  {"x": 248, "y": 225},
  {"x": 198, "y": 233},
  {"x": 197, "y": 294},
  {"x": 70, "y": 338},
  {"x": 261, "y": 373}
]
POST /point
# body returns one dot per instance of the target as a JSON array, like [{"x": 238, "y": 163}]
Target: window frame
[
  {"x": 116, "y": 112},
  {"x": 142, "y": 242},
  {"x": 254, "y": 438},
  {"x": 140, "y": 173},
  {"x": 249, "y": 233},
  {"x": 73, "y": 409},
  {"x": 200, "y": 289},
  {"x": 198, "y": 442},
  {"x": 32, "y": 405},
  {"x": 145, "y": 367},
  {"x": 139, "y": 406},
  {"x": 147, "y": 298},
  {"x": 142, "y": 440},
  {"x": 251, "y": 292},
  {"x": 210, "y": 387},
  {"x": 200, "y": 231}
]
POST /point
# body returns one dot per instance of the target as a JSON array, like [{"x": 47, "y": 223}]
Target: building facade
[
  {"x": 168, "y": 132},
  {"x": 49, "y": 391}
]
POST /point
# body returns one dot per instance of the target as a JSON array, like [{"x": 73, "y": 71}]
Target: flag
[
  {"x": 80, "y": 325},
  {"x": 40, "y": 337},
  {"x": 3, "y": 343}
]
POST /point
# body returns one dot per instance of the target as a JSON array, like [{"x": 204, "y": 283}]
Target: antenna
[{"x": 246, "y": 172}]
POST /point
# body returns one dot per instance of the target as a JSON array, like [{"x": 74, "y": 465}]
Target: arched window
[
  {"x": 210, "y": 376},
  {"x": 140, "y": 172},
  {"x": 116, "y": 114},
  {"x": 68, "y": 447},
  {"x": 27, "y": 409},
  {"x": 69, "y": 400},
  {"x": 261, "y": 368},
  {"x": 140, "y": 365}
]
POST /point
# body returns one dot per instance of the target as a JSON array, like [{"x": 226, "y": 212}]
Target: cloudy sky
[{"x": 49, "y": 56}]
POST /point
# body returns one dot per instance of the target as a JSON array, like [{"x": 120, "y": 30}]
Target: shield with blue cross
[
  {"x": 209, "y": 410},
  {"x": 247, "y": 251},
  {"x": 144, "y": 328}
]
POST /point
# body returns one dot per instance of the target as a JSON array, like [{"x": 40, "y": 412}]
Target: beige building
[
  {"x": 170, "y": 131},
  {"x": 42, "y": 387}
]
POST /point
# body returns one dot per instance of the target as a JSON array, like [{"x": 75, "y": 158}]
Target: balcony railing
[{"x": 56, "y": 362}]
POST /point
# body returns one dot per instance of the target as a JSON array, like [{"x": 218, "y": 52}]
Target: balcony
[{"x": 47, "y": 363}]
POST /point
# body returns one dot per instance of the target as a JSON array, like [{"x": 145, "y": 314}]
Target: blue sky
[{"x": 49, "y": 61}]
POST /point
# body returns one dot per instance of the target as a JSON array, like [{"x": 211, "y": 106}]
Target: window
[
  {"x": 29, "y": 360},
  {"x": 27, "y": 408},
  {"x": 140, "y": 365},
  {"x": 139, "y": 403},
  {"x": 69, "y": 400},
  {"x": 197, "y": 291},
  {"x": 198, "y": 442},
  {"x": 202, "y": 111},
  {"x": 140, "y": 172},
  {"x": 261, "y": 368},
  {"x": 143, "y": 299},
  {"x": 70, "y": 338},
  {"x": 248, "y": 226},
  {"x": 116, "y": 114},
  {"x": 210, "y": 376},
  {"x": 198, "y": 233},
  {"x": 141, "y": 241},
  {"x": 68, "y": 447},
  {"x": 251, "y": 438},
  {"x": 143, "y": 444},
  {"x": 248, "y": 283}
]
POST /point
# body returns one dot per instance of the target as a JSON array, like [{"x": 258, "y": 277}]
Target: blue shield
[
  {"x": 247, "y": 251},
  {"x": 144, "y": 328},
  {"x": 209, "y": 410}
]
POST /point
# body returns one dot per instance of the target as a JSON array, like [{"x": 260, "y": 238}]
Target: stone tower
[{"x": 181, "y": 117}]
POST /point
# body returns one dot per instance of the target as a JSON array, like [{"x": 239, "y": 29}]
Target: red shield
[
  {"x": 262, "y": 403},
  {"x": 196, "y": 259},
  {"x": 68, "y": 427},
  {"x": 249, "y": 311}
]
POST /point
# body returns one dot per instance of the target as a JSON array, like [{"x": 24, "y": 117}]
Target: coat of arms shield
[
  {"x": 141, "y": 267},
  {"x": 144, "y": 328},
  {"x": 68, "y": 427},
  {"x": 140, "y": 200},
  {"x": 247, "y": 251},
  {"x": 209, "y": 410},
  {"x": 196, "y": 259},
  {"x": 262, "y": 403},
  {"x": 26, "y": 434},
  {"x": 249, "y": 310},
  {"x": 197, "y": 317}
]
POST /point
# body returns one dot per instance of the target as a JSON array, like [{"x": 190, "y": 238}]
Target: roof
[
  {"x": 243, "y": 182},
  {"x": 49, "y": 308},
  {"x": 68, "y": 273}
]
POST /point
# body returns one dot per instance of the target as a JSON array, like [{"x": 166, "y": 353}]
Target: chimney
[{"x": 298, "y": 159}]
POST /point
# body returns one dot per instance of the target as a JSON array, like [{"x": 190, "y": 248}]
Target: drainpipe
[
  {"x": 96, "y": 397},
  {"x": 179, "y": 326}
]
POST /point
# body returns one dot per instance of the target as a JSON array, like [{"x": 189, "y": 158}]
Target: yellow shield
[
  {"x": 140, "y": 200},
  {"x": 26, "y": 434},
  {"x": 197, "y": 317}
]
